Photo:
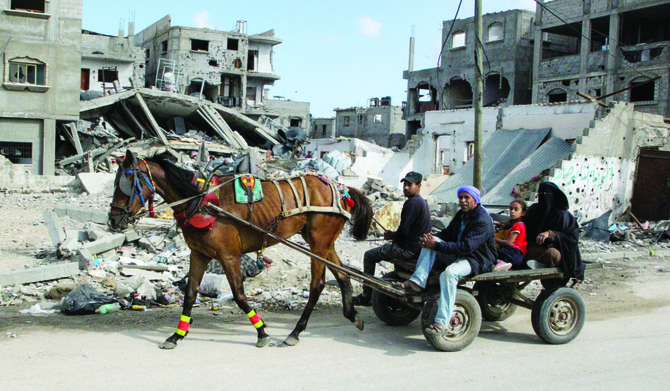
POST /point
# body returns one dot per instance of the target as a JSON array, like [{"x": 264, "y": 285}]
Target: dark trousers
[
  {"x": 511, "y": 255},
  {"x": 382, "y": 253}
]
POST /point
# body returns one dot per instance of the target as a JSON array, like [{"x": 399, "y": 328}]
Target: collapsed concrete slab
[
  {"x": 38, "y": 274},
  {"x": 96, "y": 182}
]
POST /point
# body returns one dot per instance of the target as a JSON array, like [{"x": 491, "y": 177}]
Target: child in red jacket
[{"x": 511, "y": 243}]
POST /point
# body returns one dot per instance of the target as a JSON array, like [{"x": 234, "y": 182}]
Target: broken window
[
  {"x": 496, "y": 90},
  {"x": 642, "y": 90},
  {"x": 323, "y": 131},
  {"x": 233, "y": 44},
  {"x": 377, "y": 118},
  {"x": 251, "y": 93},
  {"x": 252, "y": 58},
  {"x": 495, "y": 32},
  {"x": 346, "y": 120},
  {"x": 469, "y": 150},
  {"x": 199, "y": 45},
  {"x": 107, "y": 75},
  {"x": 17, "y": 153},
  {"x": 557, "y": 95},
  {"x": 29, "y": 5},
  {"x": 164, "y": 47},
  {"x": 458, "y": 40},
  {"x": 27, "y": 72},
  {"x": 296, "y": 122},
  {"x": 645, "y": 25},
  {"x": 458, "y": 94},
  {"x": 600, "y": 28},
  {"x": 562, "y": 40}
]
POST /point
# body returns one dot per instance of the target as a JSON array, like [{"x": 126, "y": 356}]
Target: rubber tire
[
  {"x": 392, "y": 311},
  {"x": 466, "y": 310},
  {"x": 489, "y": 293},
  {"x": 558, "y": 315}
]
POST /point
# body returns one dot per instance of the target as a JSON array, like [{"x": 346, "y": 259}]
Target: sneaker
[
  {"x": 533, "y": 264},
  {"x": 502, "y": 266},
  {"x": 362, "y": 301}
]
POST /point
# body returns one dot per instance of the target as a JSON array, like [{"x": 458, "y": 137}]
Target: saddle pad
[{"x": 241, "y": 194}]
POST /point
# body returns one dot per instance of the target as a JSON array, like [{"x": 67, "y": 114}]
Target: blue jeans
[{"x": 448, "y": 282}]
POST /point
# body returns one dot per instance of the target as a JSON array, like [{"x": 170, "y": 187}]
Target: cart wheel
[
  {"x": 466, "y": 322},
  {"x": 392, "y": 311},
  {"x": 558, "y": 315},
  {"x": 493, "y": 301}
]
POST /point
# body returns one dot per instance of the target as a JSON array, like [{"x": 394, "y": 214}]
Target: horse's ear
[{"x": 128, "y": 161}]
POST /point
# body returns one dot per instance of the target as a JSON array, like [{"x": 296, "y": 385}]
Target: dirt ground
[{"x": 627, "y": 283}]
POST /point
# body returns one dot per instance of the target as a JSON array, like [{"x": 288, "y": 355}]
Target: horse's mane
[{"x": 178, "y": 178}]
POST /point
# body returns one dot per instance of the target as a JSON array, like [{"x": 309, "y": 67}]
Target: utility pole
[{"x": 477, "y": 98}]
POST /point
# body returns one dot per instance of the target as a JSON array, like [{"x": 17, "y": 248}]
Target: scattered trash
[{"x": 84, "y": 299}]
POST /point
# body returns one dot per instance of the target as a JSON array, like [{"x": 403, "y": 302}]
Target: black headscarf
[{"x": 551, "y": 213}]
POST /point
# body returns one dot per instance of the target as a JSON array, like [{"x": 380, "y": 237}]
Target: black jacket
[
  {"x": 477, "y": 243},
  {"x": 414, "y": 222}
]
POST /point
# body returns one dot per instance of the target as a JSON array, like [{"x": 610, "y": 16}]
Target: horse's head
[{"x": 132, "y": 189}]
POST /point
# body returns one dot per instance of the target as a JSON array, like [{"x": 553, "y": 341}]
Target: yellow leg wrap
[
  {"x": 255, "y": 319},
  {"x": 184, "y": 322}
]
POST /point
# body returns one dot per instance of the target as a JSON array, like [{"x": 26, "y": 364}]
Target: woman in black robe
[{"x": 553, "y": 232}]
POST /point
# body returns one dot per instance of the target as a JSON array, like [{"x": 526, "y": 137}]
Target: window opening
[
  {"x": 164, "y": 47},
  {"x": 233, "y": 44},
  {"x": 199, "y": 45},
  {"x": 557, "y": 95},
  {"x": 252, "y": 56},
  {"x": 16, "y": 152},
  {"x": 29, "y": 5},
  {"x": 107, "y": 75},
  {"x": 495, "y": 32},
  {"x": 641, "y": 91},
  {"x": 295, "y": 122},
  {"x": 346, "y": 120},
  {"x": 458, "y": 40}
]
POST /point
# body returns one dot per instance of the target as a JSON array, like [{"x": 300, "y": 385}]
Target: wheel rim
[
  {"x": 460, "y": 323},
  {"x": 563, "y": 316}
]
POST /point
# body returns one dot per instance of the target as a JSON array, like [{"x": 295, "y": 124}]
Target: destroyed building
[
  {"x": 379, "y": 123},
  {"x": 40, "y": 45},
  {"x": 322, "y": 128},
  {"x": 507, "y": 43},
  {"x": 617, "y": 50},
  {"x": 110, "y": 64},
  {"x": 231, "y": 68}
]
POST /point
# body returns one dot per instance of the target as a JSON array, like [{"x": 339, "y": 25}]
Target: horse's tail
[{"x": 361, "y": 213}]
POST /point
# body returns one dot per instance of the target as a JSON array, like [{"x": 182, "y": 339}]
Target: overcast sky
[{"x": 334, "y": 53}]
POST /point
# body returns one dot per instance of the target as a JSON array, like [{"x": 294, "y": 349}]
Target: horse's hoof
[
  {"x": 359, "y": 323},
  {"x": 291, "y": 341},
  {"x": 167, "y": 345},
  {"x": 262, "y": 342}
]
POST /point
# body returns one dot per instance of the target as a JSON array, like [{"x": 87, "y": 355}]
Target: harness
[{"x": 132, "y": 187}]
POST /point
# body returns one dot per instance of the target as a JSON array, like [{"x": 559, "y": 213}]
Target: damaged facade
[
  {"x": 230, "y": 68},
  {"x": 110, "y": 63},
  {"x": 617, "y": 50},
  {"x": 379, "y": 123},
  {"x": 507, "y": 42},
  {"x": 40, "y": 44}
]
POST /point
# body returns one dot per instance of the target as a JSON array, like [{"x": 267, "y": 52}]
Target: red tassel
[
  {"x": 151, "y": 207},
  {"x": 350, "y": 203}
]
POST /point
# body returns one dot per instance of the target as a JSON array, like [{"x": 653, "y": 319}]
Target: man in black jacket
[
  {"x": 467, "y": 246},
  {"x": 414, "y": 223}
]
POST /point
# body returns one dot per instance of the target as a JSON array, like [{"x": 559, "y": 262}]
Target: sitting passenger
[
  {"x": 511, "y": 243},
  {"x": 466, "y": 246},
  {"x": 414, "y": 222},
  {"x": 555, "y": 232}
]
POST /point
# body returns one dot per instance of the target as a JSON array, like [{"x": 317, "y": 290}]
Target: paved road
[{"x": 623, "y": 353}]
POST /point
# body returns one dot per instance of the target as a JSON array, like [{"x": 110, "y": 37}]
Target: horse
[{"x": 320, "y": 224}]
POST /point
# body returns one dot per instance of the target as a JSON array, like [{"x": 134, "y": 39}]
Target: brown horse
[{"x": 137, "y": 181}]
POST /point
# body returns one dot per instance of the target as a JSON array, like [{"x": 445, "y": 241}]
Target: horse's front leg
[
  {"x": 196, "y": 270},
  {"x": 316, "y": 285},
  {"x": 231, "y": 266},
  {"x": 344, "y": 282}
]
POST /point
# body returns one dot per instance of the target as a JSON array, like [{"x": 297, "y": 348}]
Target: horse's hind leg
[
  {"x": 195, "y": 272},
  {"x": 344, "y": 282}
]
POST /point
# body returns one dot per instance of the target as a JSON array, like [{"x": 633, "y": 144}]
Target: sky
[{"x": 334, "y": 54}]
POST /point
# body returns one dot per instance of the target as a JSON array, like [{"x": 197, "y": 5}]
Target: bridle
[{"x": 133, "y": 187}]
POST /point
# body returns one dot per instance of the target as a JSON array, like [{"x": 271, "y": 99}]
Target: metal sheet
[
  {"x": 504, "y": 151},
  {"x": 546, "y": 156}
]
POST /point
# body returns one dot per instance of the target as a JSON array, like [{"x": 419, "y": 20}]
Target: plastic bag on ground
[{"x": 84, "y": 299}]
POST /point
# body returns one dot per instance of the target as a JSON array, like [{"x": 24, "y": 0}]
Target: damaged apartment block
[
  {"x": 612, "y": 50},
  {"x": 231, "y": 68}
]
